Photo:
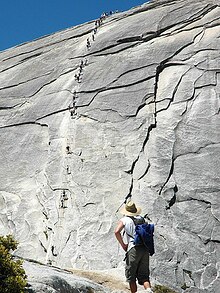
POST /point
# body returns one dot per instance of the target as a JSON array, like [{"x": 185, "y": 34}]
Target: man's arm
[{"x": 118, "y": 230}]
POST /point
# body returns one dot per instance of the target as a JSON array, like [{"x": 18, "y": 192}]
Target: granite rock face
[
  {"x": 88, "y": 118},
  {"x": 50, "y": 280}
]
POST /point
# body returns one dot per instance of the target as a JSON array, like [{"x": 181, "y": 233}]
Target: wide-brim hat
[{"x": 130, "y": 209}]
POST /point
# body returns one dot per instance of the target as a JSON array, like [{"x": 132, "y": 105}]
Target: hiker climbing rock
[
  {"x": 68, "y": 169},
  {"x": 62, "y": 203},
  {"x": 137, "y": 256},
  {"x": 72, "y": 113},
  {"x": 98, "y": 23},
  {"x": 88, "y": 44},
  {"x": 104, "y": 15},
  {"x": 68, "y": 150},
  {"x": 64, "y": 198},
  {"x": 64, "y": 195},
  {"x": 93, "y": 37},
  {"x": 74, "y": 95},
  {"x": 72, "y": 109},
  {"x": 53, "y": 251},
  {"x": 77, "y": 77}
]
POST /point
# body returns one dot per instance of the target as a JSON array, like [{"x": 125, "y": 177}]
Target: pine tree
[{"x": 12, "y": 275}]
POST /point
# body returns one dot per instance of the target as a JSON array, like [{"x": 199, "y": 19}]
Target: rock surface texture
[
  {"x": 89, "y": 117},
  {"x": 51, "y": 280}
]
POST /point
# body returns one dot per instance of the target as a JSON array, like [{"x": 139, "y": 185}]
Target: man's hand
[{"x": 125, "y": 246}]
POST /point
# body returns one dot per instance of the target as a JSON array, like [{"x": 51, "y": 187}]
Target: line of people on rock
[
  {"x": 81, "y": 66},
  {"x": 78, "y": 77},
  {"x": 98, "y": 23}
]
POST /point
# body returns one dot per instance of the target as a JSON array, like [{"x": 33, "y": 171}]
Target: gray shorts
[{"x": 137, "y": 265}]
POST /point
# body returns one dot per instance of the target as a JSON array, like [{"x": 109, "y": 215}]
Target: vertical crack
[
  {"x": 44, "y": 248},
  {"x": 173, "y": 199},
  {"x": 131, "y": 188}
]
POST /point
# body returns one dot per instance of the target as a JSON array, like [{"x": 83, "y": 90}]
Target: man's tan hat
[{"x": 130, "y": 209}]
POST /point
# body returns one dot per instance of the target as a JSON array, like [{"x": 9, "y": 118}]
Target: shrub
[
  {"x": 12, "y": 275},
  {"x": 162, "y": 289}
]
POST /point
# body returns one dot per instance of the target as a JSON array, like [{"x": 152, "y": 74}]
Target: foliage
[
  {"x": 12, "y": 275},
  {"x": 162, "y": 289}
]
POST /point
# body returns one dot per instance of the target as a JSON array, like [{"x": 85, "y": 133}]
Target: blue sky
[{"x": 25, "y": 20}]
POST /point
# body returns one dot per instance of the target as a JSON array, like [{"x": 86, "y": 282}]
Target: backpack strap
[
  {"x": 131, "y": 217},
  {"x": 136, "y": 222}
]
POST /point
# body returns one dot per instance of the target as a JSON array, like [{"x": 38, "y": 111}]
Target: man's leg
[
  {"x": 131, "y": 269},
  {"x": 147, "y": 285},
  {"x": 133, "y": 286},
  {"x": 143, "y": 269}
]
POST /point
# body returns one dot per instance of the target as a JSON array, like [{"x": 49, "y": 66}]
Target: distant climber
[
  {"x": 63, "y": 198},
  {"x": 68, "y": 169},
  {"x": 77, "y": 77},
  {"x": 72, "y": 113},
  {"x": 53, "y": 251},
  {"x": 88, "y": 44},
  {"x": 62, "y": 203},
  {"x": 64, "y": 195},
  {"x": 68, "y": 150},
  {"x": 137, "y": 256},
  {"x": 97, "y": 23},
  {"x": 93, "y": 37},
  {"x": 74, "y": 95}
]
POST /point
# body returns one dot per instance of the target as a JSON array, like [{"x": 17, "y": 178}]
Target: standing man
[{"x": 137, "y": 257}]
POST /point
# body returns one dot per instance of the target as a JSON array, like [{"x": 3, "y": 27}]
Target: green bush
[
  {"x": 162, "y": 289},
  {"x": 12, "y": 275}
]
